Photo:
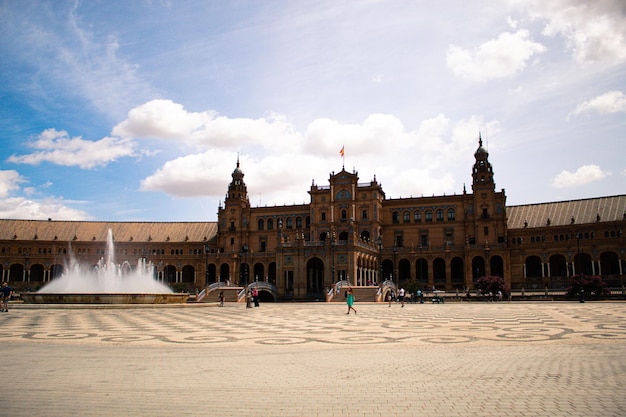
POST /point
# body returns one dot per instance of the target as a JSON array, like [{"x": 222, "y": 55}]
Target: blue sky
[{"x": 138, "y": 110}]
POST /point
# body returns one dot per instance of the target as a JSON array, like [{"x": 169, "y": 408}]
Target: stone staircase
[{"x": 361, "y": 294}]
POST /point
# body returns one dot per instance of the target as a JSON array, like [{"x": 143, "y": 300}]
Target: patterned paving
[
  {"x": 320, "y": 324},
  {"x": 543, "y": 359}
]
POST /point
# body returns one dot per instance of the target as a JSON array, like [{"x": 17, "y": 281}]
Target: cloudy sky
[{"x": 137, "y": 110}]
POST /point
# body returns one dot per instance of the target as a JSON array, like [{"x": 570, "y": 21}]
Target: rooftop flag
[{"x": 341, "y": 151}]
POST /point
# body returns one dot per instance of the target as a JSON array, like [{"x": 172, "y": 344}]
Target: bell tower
[
  {"x": 234, "y": 217},
  {"x": 488, "y": 204},
  {"x": 482, "y": 173},
  {"x": 237, "y": 190}
]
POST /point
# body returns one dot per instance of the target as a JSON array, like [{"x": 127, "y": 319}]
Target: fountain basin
[{"x": 103, "y": 298}]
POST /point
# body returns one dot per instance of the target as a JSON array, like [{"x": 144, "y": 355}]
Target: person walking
[
  {"x": 5, "y": 296},
  {"x": 248, "y": 298},
  {"x": 350, "y": 300},
  {"x": 255, "y": 296},
  {"x": 401, "y": 296},
  {"x": 221, "y": 299}
]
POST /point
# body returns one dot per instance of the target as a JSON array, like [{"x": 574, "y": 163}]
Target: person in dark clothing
[
  {"x": 5, "y": 295},
  {"x": 255, "y": 297}
]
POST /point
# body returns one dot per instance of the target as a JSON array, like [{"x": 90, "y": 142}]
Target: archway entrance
[{"x": 315, "y": 278}]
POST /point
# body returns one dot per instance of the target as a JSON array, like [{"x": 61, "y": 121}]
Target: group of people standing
[
  {"x": 252, "y": 296},
  {"x": 402, "y": 297}
]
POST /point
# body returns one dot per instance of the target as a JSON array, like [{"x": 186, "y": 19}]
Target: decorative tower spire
[
  {"x": 482, "y": 172},
  {"x": 237, "y": 189}
]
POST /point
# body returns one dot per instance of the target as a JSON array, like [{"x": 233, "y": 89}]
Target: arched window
[
  {"x": 417, "y": 216},
  {"x": 395, "y": 217},
  {"x": 289, "y": 223},
  {"x": 261, "y": 224},
  {"x": 270, "y": 224},
  {"x": 406, "y": 217},
  {"x": 343, "y": 195},
  {"x": 451, "y": 215},
  {"x": 429, "y": 216},
  {"x": 439, "y": 214},
  {"x": 299, "y": 222}
]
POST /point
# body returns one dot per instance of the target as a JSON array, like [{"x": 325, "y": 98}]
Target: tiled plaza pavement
[{"x": 454, "y": 359}]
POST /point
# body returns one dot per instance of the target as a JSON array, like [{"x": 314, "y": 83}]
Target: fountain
[{"x": 106, "y": 283}]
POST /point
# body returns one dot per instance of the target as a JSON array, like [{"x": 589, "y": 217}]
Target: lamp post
[
  {"x": 421, "y": 267},
  {"x": 581, "y": 290},
  {"x": 206, "y": 265},
  {"x": 244, "y": 274},
  {"x": 395, "y": 269},
  {"x": 26, "y": 275},
  {"x": 331, "y": 236},
  {"x": 379, "y": 241}
]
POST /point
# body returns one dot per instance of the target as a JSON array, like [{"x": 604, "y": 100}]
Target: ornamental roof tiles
[
  {"x": 561, "y": 213},
  {"x": 66, "y": 231}
]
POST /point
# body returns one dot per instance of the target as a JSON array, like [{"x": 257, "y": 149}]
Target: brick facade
[{"x": 348, "y": 231}]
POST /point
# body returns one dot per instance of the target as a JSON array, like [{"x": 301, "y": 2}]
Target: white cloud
[
  {"x": 277, "y": 159},
  {"x": 108, "y": 81},
  {"x": 378, "y": 78},
  {"x": 593, "y": 30},
  {"x": 162, "y": 119},
  {"x": 9, "y": 181},
  {"x": 65, "y": 56},
  {"x": 511, "y": 22},
  {"x": 51, "y": 208},
  {"x": 502, "y": 57},
  {"x": 17, "y": 207},
  {"x": 57, "y": 147},
  {"x": 377, "y": 132},
  {"x": 192, "y": 175},
  {"x": 583, "y": 175},
  {"x": 607, "y": 103}
]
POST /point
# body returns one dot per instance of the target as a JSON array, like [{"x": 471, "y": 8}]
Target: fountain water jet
[{"x": 106, "y": 283}]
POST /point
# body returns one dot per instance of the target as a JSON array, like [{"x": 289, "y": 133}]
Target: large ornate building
[{"x": 349, "y": 231}]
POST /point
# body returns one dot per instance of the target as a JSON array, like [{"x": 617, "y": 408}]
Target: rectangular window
[
  {"x": 486, "y": 231},
  {"x": 364, "y": 215},
  {"x": 323, "y": 217}
]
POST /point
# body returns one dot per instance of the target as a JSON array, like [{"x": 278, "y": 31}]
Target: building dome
[
  {"x": 238, "y": 173},
  {"x": 481, "y": 152}
]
